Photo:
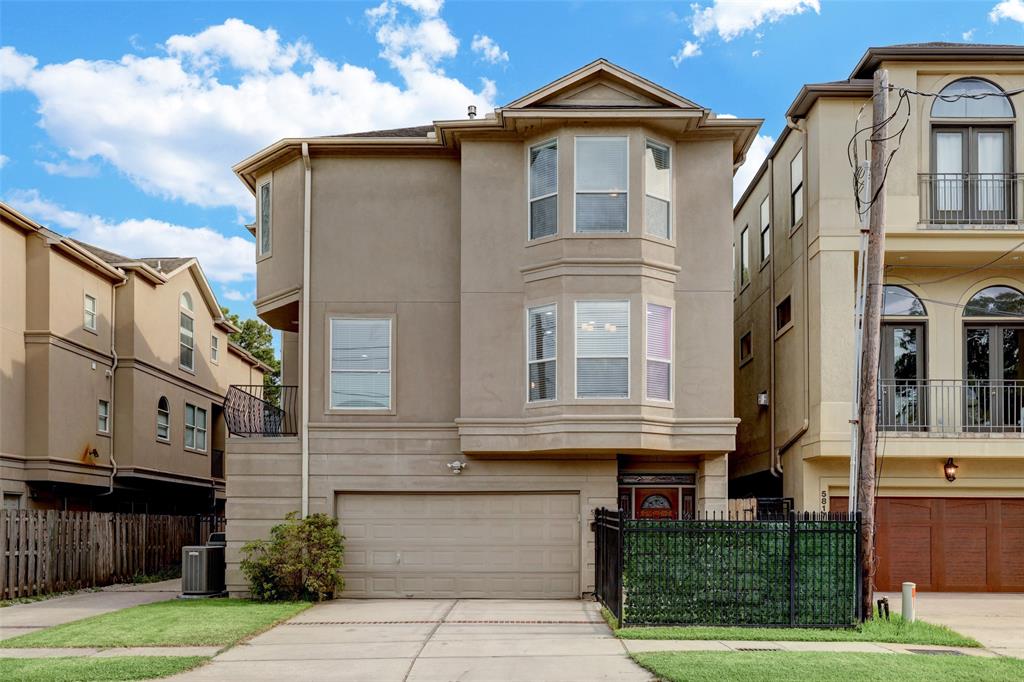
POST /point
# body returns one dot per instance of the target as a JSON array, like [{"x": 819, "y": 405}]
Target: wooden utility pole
[{"x": 875, "y": 277}]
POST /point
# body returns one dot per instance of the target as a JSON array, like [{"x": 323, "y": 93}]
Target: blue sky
[{"x": 120, "y": 121}]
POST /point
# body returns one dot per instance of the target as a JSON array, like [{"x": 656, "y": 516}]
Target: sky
[{"x": 120, "y": 121}]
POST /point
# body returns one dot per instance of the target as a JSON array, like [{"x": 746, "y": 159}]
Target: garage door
[
  {"x": 517, "y": 545},
  {"x": 949, "y": 544}
]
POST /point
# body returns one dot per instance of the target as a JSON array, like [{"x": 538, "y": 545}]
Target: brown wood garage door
[{"x": 949, "y": 544}]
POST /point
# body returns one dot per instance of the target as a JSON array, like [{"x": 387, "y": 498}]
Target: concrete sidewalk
[{"x": 21, "y": 619}]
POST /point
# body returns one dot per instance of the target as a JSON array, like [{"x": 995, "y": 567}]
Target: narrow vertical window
[
  {"x": 783, "y": 314},
  {"x": 744, "y": 257},
  {"x": 214, "y": 348},
  {"x": 103, "y": 416},
  {"x": 89, "y": 320},
  {"x": 602, "y": 171},
  {"x": 263, "y": 233},
  {"x": 659, "y": 352},
  {"x": 796, "y": 187},
  {"x": 602, "y": 349},
  {"x": 360, "y": 364},
  {"x": 195, "y": 427},
  {"x": 163, "y": 419},
  {"x": 766, "y": 231},
  {"x": 542, "y": 339},
  {"x": 658, "y": 190},
  {"x": 746, "y": 347},
  {"x": 186, "y": 334},
  {"x": 544, "y": 189}
]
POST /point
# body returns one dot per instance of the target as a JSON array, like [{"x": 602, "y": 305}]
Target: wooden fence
[{"x": 44, "y": 551}]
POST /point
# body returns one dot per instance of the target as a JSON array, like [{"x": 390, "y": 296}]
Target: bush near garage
[{"x": 301, "y": 560}]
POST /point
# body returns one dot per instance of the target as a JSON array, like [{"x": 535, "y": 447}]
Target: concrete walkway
[
  {"x": 21, "y": 619},
  {"x": 420, "y": 640},
  {"x": 995, "y": 620}
]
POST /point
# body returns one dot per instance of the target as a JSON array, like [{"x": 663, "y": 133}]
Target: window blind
[
  {"x": 659, "y": 352},
  {"x": 544, "y": 189},
  {"x": 657, "y": 181},
  {"x": 602, "y": 170},
  {"x": 602, "y": 349},
  {"x": 542, "y": 333},
  {"x": 265, "y": 218},
  {"x": 186, "y": 342},
  {"x": 360, "y": 363}
]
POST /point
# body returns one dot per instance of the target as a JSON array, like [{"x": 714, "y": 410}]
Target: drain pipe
[
  {"x": 110, "y": 375},
  {"x": 304, "y": 324},
  {"x": 775, "y": 471}
]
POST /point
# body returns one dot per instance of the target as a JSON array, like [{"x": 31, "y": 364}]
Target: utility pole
[{"x": 872, "y": 338}]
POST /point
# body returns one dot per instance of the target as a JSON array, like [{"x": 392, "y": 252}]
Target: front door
[
  {"x": 902, "y": 391},
  {"x": 994, "y": 378}
]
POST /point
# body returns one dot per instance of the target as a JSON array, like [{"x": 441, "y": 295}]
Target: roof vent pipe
[{"x": 471, "y": 111}]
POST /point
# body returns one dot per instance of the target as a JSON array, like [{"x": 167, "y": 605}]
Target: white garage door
[{"x": 515, "y": 545}]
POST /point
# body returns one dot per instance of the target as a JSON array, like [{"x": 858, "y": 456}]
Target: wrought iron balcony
[
  {"x": 261, "y": 410},
  {"x": 951, "y": 407},
  {"x": 989, "y": 201}
]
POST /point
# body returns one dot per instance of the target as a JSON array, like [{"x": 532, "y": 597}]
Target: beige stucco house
[
  {"x": 952, "y": 363},
  {"x": 113, "y": 376},
  {"x": 495, "y": 325}
]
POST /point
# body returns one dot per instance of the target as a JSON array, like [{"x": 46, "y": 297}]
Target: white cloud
[
  {"x": 488, "y": 49},
  {"x": 689, "y": 49},
  {"x": 224, "y": 259},
  {"x": 756, "y": 155},
  {"x": 755, "y": 53},
  {"x": 732, "y": 18},
  {"x": 70, "y": 169},
  {"x": 175, "y": 124},
  {"x": 237, "y": 296},
  {"x": 3, "y": 160},
  {"x": 1008, "y": 9},
  {"x": 968, "y": 36}
]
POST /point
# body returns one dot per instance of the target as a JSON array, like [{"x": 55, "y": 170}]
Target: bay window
[
  {"x": 659, "y": 352},
  {"x": 658, "y": 190},
  {"x": 544, "y": 189},
  {"x": 602, "y": 349},
  {"x": 602, "y": 171},
  {"x": 542, "y": 333}
]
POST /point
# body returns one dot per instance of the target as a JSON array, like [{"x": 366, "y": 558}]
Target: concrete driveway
[
  {"x": 418, "y": 640},
  {"x": 995, "y": 620}
]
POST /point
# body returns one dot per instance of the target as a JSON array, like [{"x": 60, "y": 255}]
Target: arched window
[
  {"x": 972, "y": 98},
  {"x": 900, "y": 301},
  {"x": 996, "y": 301},
  {"x": 186, "y": 301},
  {"x": 163, "y": 419}
]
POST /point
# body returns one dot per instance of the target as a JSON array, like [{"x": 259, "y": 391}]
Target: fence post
[
  {"x": 858, "y": 571},
  {"x": 792, "y": 568},
  {"x": 619, "y": 561}
]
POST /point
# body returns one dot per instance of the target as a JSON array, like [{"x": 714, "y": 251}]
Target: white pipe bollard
[{"x": 909, "y": 602}]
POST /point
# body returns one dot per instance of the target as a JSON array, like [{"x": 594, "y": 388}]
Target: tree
[{"x": 258, "y": 339}]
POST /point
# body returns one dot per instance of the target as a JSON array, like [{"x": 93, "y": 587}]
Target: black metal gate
[{"x": 608, "y": 559}]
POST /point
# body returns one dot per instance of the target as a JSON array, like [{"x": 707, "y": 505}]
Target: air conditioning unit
[{"x": 202, "y": 570}]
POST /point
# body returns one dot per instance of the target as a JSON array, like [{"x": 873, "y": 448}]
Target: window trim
[
  {"x": 214, "y": 349},
  {"x": 391, "y": 319},
  {"x": 554, "y": 358},
  {"x": 671, "y": 188},
  {"x": 575, "y": 181},
  {"x": 742, "y": 359},
  {"x": 628, "y": 357},
  {"x": 105, "y": 416},
  {"x": 530, "y": 239},
  {"x": 670, "y": 361},
  {"x": 269, "y": 251},
  {"x": 765, "y": 229},
  {"x": 795, "y": 224},
  {"x": 167, "y": 438},
  {"x": 86, "y": 297},
  {"x": 195, "y": 429},
  {"x": 779, "y": 331},
  {"x": 744, "y": 257}
]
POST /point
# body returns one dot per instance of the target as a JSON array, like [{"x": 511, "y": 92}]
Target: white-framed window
[
  {"x": 658, "y": 190},
  {"x": 263, "y": 242},
  {"x": 796, "y": 187},
  {"x": 659, "y": 352},
  {"x": 602, "y": 349},
  {"x": 602, "y": 177},
  {"x": 214, "y": 348},
  {"x": 186, "y": 334},
  {"x": 360, "y": 363},
  {"x": 766, "y": 230},
  {"x": 541, "y": 349},
  {"x": 195, "y": 427},
  {"x": 163, "y": 419},
  {"x": 89, "y": 319},
  {"x": 103, "y": 416},
  {"x": 544, "y": 189},
  {"x": 744, "y": 257}
]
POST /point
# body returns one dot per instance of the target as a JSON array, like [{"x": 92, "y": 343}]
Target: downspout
[
  {"x": 110, "y": 375},
  {"x": 304, "y": 324},
  {"x": 776, "y": 472}
]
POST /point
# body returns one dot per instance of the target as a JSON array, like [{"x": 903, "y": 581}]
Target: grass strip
[{"x": 94, "y": 669}]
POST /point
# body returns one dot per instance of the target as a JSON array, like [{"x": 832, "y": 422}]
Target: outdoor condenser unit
[{"x": 202, "y": 570}]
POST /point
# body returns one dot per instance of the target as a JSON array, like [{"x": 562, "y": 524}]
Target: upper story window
[
  {"x": 659, "y": 352},
  {"x": 996, "y": 301},
  {"x": 746, "y": 347},
  {"x": 214, "y": 348},
  {"x": 658, "y": 190},
  {"x": 542, "y": 340},
  {"x": 796, "y": 187},
  {"x": 544, "y": 189},
  {"x": 602, "y": 349},
  {"x": 195, "y": 427},
  {"x": 103, "y": 416},
  {"x": 360, "y": 364},
  {"x": 163, "y": 419},
  {"x": 89, "y": 321},
  {"x": 972, "y": 98},
  {"x": 744, "y": 257},
  {"x": 263, "y": 221},
  {"x": 783, "y": 315},
  {"x": 186, "y": 333},
  {"x": 901, "y": 302},
  {"x": 602, "y": 173},
  {"x": 766, "y": 230}
]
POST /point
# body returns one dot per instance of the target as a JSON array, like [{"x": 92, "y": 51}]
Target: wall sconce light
[
  {"x": 950, "y": 470},
  {"x": 457, "y": 466},
  {"x": 762, "y": 399}
]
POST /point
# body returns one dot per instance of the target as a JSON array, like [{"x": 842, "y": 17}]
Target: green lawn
[
  {"x": 201, "y": 622},
  {"x": 896, "y": 631},
  {"x": 89, "y": 669}
]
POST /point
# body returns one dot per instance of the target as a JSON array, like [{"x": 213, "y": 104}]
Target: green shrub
[{"x": 302, "y": 560}]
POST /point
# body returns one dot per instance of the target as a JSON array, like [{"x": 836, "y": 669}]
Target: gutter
[
  {"x": 110, "y": 375},
  {"x": 304, "y": 323}
]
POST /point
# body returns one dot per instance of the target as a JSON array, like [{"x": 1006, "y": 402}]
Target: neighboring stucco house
[
  {"x": 952, "y": 362},
  {"x": 497, "y": 325},
  {"x": 113, "y": 375}
]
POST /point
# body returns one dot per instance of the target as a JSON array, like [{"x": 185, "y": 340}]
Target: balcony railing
[
  {"x": 951, "y": 407},
  {"x": 261, "y": 410},
  {"x": 956, "y": 200}
]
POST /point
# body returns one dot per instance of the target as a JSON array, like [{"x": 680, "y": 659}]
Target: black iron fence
[
  {"x": 796, "y": 570},
  {"x": 261, "y": 410}
]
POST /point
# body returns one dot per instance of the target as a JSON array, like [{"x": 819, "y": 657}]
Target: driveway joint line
[{"x": 426, "y": 640}]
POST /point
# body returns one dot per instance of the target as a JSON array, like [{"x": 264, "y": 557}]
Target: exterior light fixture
[
  {"x": 950, "y": 470},
  {"x": 457, "y": 466}
]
